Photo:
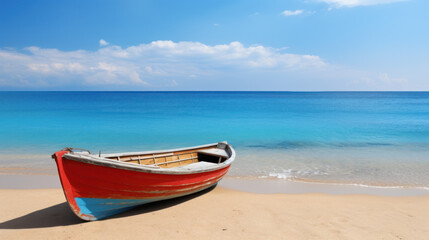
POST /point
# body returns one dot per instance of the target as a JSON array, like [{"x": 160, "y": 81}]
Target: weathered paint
[
  {"x": 94, "y": 192},
  {"x": 104, "y": 207}
]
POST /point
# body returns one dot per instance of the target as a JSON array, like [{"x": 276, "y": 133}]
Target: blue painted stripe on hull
[
  {"x": 104, "y": 207},
  {"x": 100, "y": 208}
]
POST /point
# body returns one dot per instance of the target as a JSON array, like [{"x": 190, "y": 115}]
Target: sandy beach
[{"x": 221, "y": 213}]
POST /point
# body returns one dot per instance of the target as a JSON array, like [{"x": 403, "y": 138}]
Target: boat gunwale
[
  {"x": 159, "y": 151},
  {"x": 106, "y": 162}
]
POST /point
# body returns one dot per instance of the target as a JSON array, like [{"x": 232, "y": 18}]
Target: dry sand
[{"x": 221, "y": 214}]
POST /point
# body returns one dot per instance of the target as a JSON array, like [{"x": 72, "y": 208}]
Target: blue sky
[{"x": 307, "y": 45}]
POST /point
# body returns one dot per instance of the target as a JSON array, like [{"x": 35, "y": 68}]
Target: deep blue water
[{"x": 332, "y": 136}]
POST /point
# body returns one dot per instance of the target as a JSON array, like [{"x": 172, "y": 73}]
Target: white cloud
[
  {"x": 355, "y": 3},
  {"x": 103, "y": 43},
  {"x": 383, "y": 82},
  {"x": 292, "y": 12},
  {"x": 387, "y": 79},
  {"x": 162, "y": 65},
  {"x": 152, "y": 64}
]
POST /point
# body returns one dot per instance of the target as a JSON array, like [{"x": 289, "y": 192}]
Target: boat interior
[{"x": 208, "y": 155}]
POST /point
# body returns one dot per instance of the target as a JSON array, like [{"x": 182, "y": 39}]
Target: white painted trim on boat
[{"x": 103, "y": 161}]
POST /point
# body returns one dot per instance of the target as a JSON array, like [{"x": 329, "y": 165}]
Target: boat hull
[{"x": 95, "y": 192}]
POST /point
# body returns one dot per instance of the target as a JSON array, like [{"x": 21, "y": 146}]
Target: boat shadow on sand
[{"x": 61, "y": 215}]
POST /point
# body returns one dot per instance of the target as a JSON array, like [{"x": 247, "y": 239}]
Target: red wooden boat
[{"x": 98, "y": 186}]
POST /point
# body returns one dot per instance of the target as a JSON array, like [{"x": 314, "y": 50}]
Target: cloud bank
[
  {"x": 168, "y": 65},
  {"x": 356, "y": 3},
  {"x": 155, "y": 64}
]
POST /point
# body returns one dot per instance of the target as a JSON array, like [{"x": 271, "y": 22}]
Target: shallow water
[{"x": 374, "y": 138}]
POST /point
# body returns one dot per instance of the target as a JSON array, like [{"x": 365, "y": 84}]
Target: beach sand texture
[{"x": 221, "y": 213}]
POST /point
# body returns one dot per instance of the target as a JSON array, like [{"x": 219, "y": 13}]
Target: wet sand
[{"x": 221, "y": 213}]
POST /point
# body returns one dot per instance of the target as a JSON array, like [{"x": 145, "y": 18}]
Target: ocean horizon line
[{"x": 213, "y": 91}]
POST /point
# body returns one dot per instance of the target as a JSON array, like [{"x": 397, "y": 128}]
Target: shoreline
[
  {"x": 245, "y": 184},
  {"x": 279, "y": 186},
  {"x": 221, "y": 213}
]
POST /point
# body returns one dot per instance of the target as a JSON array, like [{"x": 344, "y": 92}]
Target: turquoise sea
[{"x": 368, "y": 138}]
